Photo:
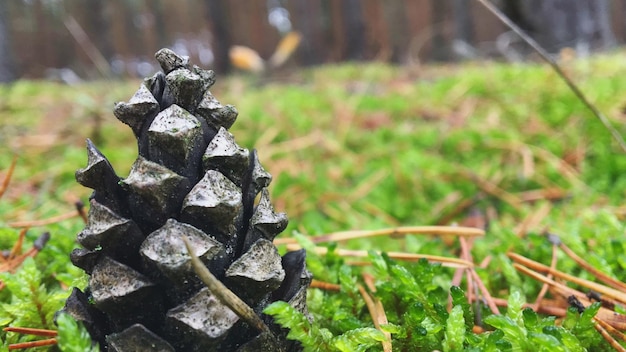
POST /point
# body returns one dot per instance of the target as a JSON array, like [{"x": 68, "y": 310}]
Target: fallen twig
[
  {"x": 483, "y": 290},
  {"x": 445, "y": 261},
  {"x": 48, "y": 221},
  {"x": 376, "y": 310},
  {"x": 226, "y": 296},
  {"x": 597, "y": 273},
  {"x": 35, "y": 332},
  {"x": 609, "y": 338},
  {"x": 7, "y": 178},
  {"x": 523, "y": 264},
  {"x": 546, "y": 57},
  {"x": 545, "y": 286},
  {"x": 393, "y": 232},
  {"x": 326, "y": 286}
]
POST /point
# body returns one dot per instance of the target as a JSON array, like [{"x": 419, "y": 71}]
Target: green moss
[{"x": 365, "y": 146}]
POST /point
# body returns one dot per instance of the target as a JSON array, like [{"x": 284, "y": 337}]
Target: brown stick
[
  {"x": 488, "y": 298},
  {"x": 612, "y": 330},
  {"x": 445, "y": 261},
  {"x": 394, "y": 231},
  {"x": 597, "y": 273},
  {"x": 525, "y": 262},
  {"x": 226, "y": 296},
  {"x": 7, "y": 178},
  {"x": 549, "y": 310},
  {"x": 326, "y": 286},
  {"x": 80, "y": 208},
  {"x": 17, "y": 247},
  {"x": 32, "y": 344},
  {"x": 44, "y": 222},
  {"x": 31, "y": 331},
  {"x": 377, "y": 313},
  {"x": 545, "y": 286},
  {"x": 546, "y": 57},
  {"x": 609, "y": 338}
]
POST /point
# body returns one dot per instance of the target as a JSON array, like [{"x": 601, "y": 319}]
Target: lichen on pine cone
[{"x": 190, "y": 179}]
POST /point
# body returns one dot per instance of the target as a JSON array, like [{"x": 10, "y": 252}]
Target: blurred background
[{"x": 74, "y": 40}]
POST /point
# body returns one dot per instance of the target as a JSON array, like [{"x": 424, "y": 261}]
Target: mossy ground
[{"x": 366, "y": 146}]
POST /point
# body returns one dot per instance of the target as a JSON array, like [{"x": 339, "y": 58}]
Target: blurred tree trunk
[
  {"x": 7, "y": 69},
  {"x": 337, "y": 39},
  {"x": 354, "y": 29},
  {"x": 159, "y": 23},
  {"x": 604, "y": 22},
  {"x": 119, "y": 30},
  {"x": 463, "y": 27},
  {"x": 97, "y": 25},
  {"x": 101, "y": 31},
  {"x": 439, "y": 50},
  {"x": 217, "y": 15},
  {"x": 43, "y": 39},
  {"x": 149, "y": 33},
  {"x": 580, "y": 24},
  {"x": 462, "y": 44},
  {"x": 394, "y": 13},
  {"x": 308, "y": 20}
]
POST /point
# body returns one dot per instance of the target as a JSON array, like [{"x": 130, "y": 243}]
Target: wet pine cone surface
[{"x": 190, "y": 179}]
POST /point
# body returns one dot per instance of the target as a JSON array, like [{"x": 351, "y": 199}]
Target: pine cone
[{"x": 190, "y": 179}]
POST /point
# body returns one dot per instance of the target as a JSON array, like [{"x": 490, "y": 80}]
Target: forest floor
[{"x": 506, "y": 148}]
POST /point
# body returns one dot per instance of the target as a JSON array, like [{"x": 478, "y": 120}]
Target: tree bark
[
  {"x": 98, "y": 22},
  {"x": 354, "y": 29},
  {"x": 580, "y": 24},
  {"x": 216, "y": 14},
  {"x": 439, "y": 46},
  {"x": 463, "y": 27},
  {"x": 394, "y": 13},
  {"x": 7, "y": 66},
  {"x": 308, "y": 20}
]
